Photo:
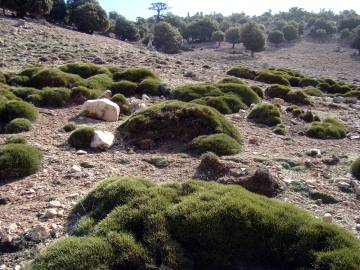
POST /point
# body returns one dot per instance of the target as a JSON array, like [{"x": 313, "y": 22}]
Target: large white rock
[
  {"x": 102, "y": 109},
  {"x": 102, "y": 139}
]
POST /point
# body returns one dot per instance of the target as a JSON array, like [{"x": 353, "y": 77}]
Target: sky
[{"x": 139, "y": 8}]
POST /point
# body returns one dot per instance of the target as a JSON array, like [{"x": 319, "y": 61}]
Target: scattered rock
[
  {"x": 145, "y": 97},
  {"x": 39, "y": 233},
  {"x": 344, "y": 186},
  {"x": 4, "y": 200},
  {"x": 314, "y": 152},
  {"x": 81, "y": 152},
  {"x": 75, "y": 169},
  {"x": 50, "y": 213},
  {"x": 327, "y": 218},
  {"x": 102, "y": 109},
  {"x": 334, "y": 160},
  {"x": 158, "y": 162},
  {"x": 102, "y": 139},
  {"x": 136, "y": 104},
  {"x": 54, "y": 204}
]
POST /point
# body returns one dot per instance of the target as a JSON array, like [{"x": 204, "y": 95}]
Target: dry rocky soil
[{"x": 45, "y": 199}]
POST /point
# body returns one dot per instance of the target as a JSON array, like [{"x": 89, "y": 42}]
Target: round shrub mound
[
  {"x": 219, "y": 144},
  {"x": 272, "y": 78},
  {"x": 18, "y": 109},
  {"x": 231, "y": 80},
  {"x": 81, "y": 138},
  {"x": 17, "y": 139},
  {"x": 267, "y": 114},
  {"x": 80, "y": 94},
  {"x": 125, "y": 88},
  {"x": 84, "y": 70},
  {"x": 131, "y": 223},
  {"x": 175, "y": 121},
  {"x": 226, "y": 104},
  {"x": 312, "y": 91},
  {"x": 99, "y": 82},
  {"x": 329, "y": 128},
  {"x": 55, "y": 97},
  {"x": 247, "y": 94},
  {"x": 18, "y": 125},
  {"x": 277, "y": 91},
  {"x": 134, "y": 74},
  {"x": 305, "y": 82},
  {"x": 355, "y": 168},
  {"x": 69, "y": 127},
  {"x": 18, "y": 160},
  {"x": 121, "y": 100},
  {"x": 150, "y": 86},
  {"x": 298, "y": 97},
  {"x": 242, "y": 72},
  {"x": 54, "y": 77},
  {"x": 189, "y": 92}
]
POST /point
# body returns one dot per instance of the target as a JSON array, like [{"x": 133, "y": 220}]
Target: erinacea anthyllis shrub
[
  {"x": 81, "y": 138},
  {"x": 18, "y": 160},
  {"x": 265, "y": 113},
  {"x": 175, "y": 121},
  {"x": 131, "y": 223},
  {"x": 18, "y": 125},
  {"x": 329, "y": 128},
  {"x": 242, "y": 72},
  {"x": 18, "y": 109},
  {"x": 355, "y": 168}
]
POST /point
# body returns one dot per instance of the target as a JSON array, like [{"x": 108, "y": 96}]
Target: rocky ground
[{"x": 37, "y": 207}]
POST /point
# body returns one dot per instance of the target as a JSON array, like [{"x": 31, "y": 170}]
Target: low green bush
[
  {"x": 99, "y": 82},
  {"x": 121, "y": 100},
  {"x": 189, "y": 92},
  {"x": 329, "y": 128},
  {"x": 267, "y": 114},
  {"x": 131, "y": 223},
  {"x": 2, "y": 78},
  {"x": 24, "y": 92},
  {"x": 280, "y": 129},
  {"x": 231, "y": 80},
  {"x": 54, "y": 77},
  {"x": 247, "y": 95},
  {"x": 18, "y": 125},
  {"x": 18, "y": 160},
  {"x": 271, "y": 78},
  {"x": 309, "y": 117},
  {"x": 294, "y": 81},
  {"x": 176, "y": 121},
  {"x": 84, "y": 70},
  {"x": 69, "y": 127},
  {"x": 219, "y": 144},
  {"x": 18, "y": 109},
  {"x": 81, "y": 138},
  {"x": 125, "y": 88},
  {"x": 80, "y": 94},
  {"x": 136, "y": 75},
  {"x": 305, "y": 82},
  {"x": 295, "y": 110},
  {"x": 313, "y": 91},
  {"x": 226, "y": 104},
  {"x": 35, "y": 99},
  {"x": 149, "y": 86},
  {"x": 242, "y": 72},
  {"x": 277, "y": 91},
  {"x": 298, "y": 97},
  {"x": 257, "y": 90},
  {"x": 55, "y": 96},
  {"x": 355, "y": 168},
  {"x": 15, "y": 139}
]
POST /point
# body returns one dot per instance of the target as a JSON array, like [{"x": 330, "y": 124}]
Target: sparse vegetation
[
  {"x": 121, "y": 100},
  {"x": 69, "y": 127}
]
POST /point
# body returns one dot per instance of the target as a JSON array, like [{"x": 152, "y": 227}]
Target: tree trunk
[
  {"x": 233, "y": 46},
  {"x": 252, "y": 53},
  {"x": 219, "y": 44}
]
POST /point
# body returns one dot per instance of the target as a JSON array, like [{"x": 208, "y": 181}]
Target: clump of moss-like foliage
[
  {"x": 329, "y": 128},
  {"x": 355, "y": 168},
  {"x": 81, "y": 138},
  {"x": 176, "y": 121},
  {"x": 271, "y": 78},
  {"x": 18, "y": 125},
  {"x": 280, "y": 129},
  {"x": 242, "y": 72},
  {"x": 69, "y": 127},
  {"x": 225, "y": 97},
  {"x": 313, "y": 91},
  {"x": 13, "y": 109},
  {"x": 267, "y": 114},
  {"x": 219, "y": 144},
  {"x": 277, "y": 91},
  {"x": 18, "y": 160},
  {"x": 121, "y": 100},
  {"x": 131, "y": 223},
  {"x": 84, "y": 70},
  {"x": 284, "y": 92}
]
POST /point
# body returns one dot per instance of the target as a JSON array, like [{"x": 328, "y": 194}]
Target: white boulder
[
  {"x": 102, "y": 139},
  {"x": 102, "y": 109}
]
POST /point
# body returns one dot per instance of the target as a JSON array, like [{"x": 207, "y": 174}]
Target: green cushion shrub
[
  {"x": 18, "y": 125},
  {"x": 35, "y": 99},
  {"x": 226, "y": 104},
  {"x": 313, "y": 91},
  {"x": 18, "y": 109},
  {"x": 99, "y": 82},
  {"x": 80, "y": 94},
  {"x": 55, "y": 96},
  {"x": 15, "y": 139},
  {"x": 355, "y": 168},
  {"x": 219, "y": 144},
  {"x": 18, "y": 160},
  {"x": 189, "y": 92},
  {"x": 81, "y": 138},
  {"x": 231, "y": 80},
  {"x": 149, "y": 86},
  {"x": 305, "y": 82},
  {"x": 329, "y": 128},
  {"x": 54, "y": 77},
  {"x": 84, "y": 70},
  {"x": 242, "y": 72},
  {"x": 69, "y": 127},
  {"x": 24, "y": 92},
  {"x": 280, "y": 129},
  {"x": 175, "y": 121},
  {"x": 267, "y": 114},
  {"x": 277, "y": 91},
  {"x": 247, "y": 95},
  {"x": 257, "y": 90},
  {"x": 125, "y": 88},
  {"x": 121, "y": 100},
  {"x": 298, "y": 97},
  {"x": 294, "y": 81},
  {"x": 131, "y": 223},
  {"x": 136, "y": 75},
  {"x": 271, "y": 78}
]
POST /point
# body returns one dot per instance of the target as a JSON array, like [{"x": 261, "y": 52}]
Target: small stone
[
  {"x": 102, "y": 139},
  {"x": 3, "y": 267},
  {"x": 146, "y": 97},
  {"x": 107, "y": 94},
  {"x": 314, "y": 152},
  {"x": 357, "y": 191},
  {"x": 12, "y": 227},
  {"x": 334, "y": 160},
  {"x": 51, "y": 213},
  {"x": 357, "y": 219},
  {"x": 39, "y": 232},
  {"x": 73, "y": 195},
  {"x": 17, "y": 267},
  {"x": 54, "y": 204},
  {"x": 75, "y": 169},
  {"x": 358, "y": 227},
  {"x": 81, "y": 152},
  {"x": 4, "y": 200},
  {"x": 327, "y": 218},
  {"x": 344, "y": 186},
  {"x": 253, "y": 140}
]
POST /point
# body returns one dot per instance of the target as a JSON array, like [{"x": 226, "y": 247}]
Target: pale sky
[{"x": 139, "y": 8}]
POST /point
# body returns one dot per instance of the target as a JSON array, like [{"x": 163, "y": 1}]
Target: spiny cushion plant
[
  {"x": 219, "y": 144},
  {"x": 81, "y": 138},
  {"x": 231, "y": 80},
  {"x": 226, "y": 104},
  {"x": 247, "y": 95},
  {"x": 134, "y": 74},
  {"x": 69, "y": 127},
  {"x": 272, "y": 78},
  {"x": 80, "y": 94},
  {"x": 305, "y": 82},
  {"x": 100, "y": 82},
  {"x": 189, "y": 92},
  {"x": 15, "y": 139},
  {"x": 265, "y": 113},
  {"x": 355, "y": 168},
  {"x": 125, "y": 88},
  {"x": 18, "y": 109},
  {"x": 298, "y": 97},
  {"x": 242, "y": 72},
  {"x": 131, "y": 223},
  {"x": 18, "y": 160},
  {"x": 121, "y": 100},
  {"x": 277, "y": 91},
  {"x": 176, "y": 121},
  {"x": 2, "y": 78},
  {"x": 18, "y": 125},
  {"x": 84, "y": 70},
  {"x": 257, "y": 90},
  {"x": 149, "y": 86},
  {"x": 313, "y": 91},
  {"x": 55, "y": 97},
  {"x": 329, "y": 128},
  {"x": 54, "y": 77},
  {"x": 280, "y": 129}
]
